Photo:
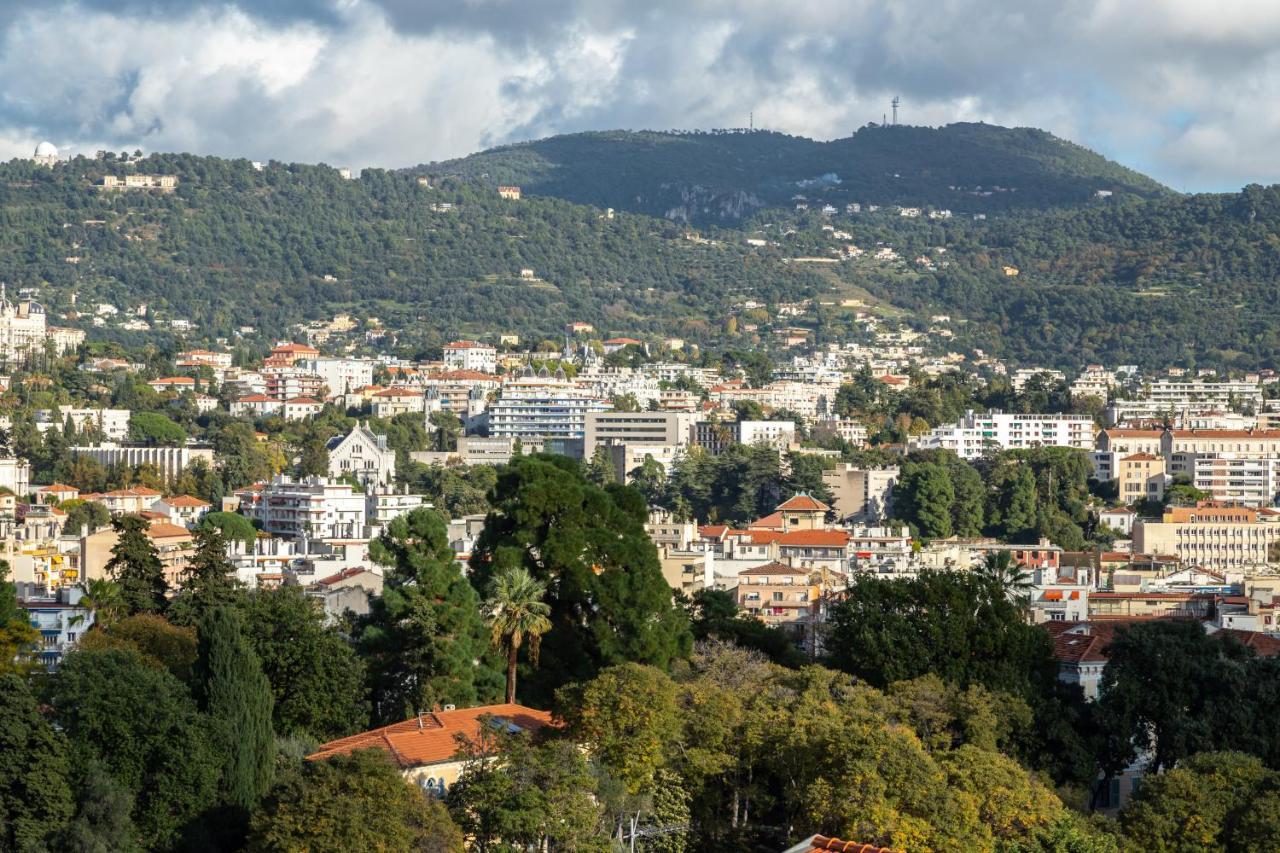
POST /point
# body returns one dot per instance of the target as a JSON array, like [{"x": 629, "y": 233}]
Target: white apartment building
[
  {"x": 340, "y": 375},
  {"x": 112, "y": 423},
  {"x": 169, "y": 462},
  {"x": 24, "y": 331},
  {"x": 471, "y": 355},
  {"x": 977, "y": 435},
  {"x": 315, "y": 508},
  {"x": 551, "y": 410},
  {"x": 715, "y": 437},
  {"x": 1237, "y": 478},
  {"x": 380, "y": 509},
  {"x": 1183, "y": 397},
  {"x": 15, "y": 475},
  {"x": 364, "y": 455}
]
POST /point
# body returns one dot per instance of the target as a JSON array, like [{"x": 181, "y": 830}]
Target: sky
[{"x": 1184, "y": 90}]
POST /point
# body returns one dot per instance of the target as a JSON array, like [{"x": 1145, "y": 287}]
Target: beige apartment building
[
  {"x": 778, "y": 595},
  {"x": 1210, "y": 536},
  {"x": 1140, "y": 476}
]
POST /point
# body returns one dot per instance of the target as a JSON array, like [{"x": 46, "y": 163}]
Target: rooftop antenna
[
  {"x": 751, "y": 120},
  {"x": 896, "y": 101}
]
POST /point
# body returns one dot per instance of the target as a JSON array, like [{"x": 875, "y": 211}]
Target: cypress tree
[
  {"x": 209, "y": 581},
  {"x": 233, "y": 691},
  {"x": 136, "y": 566}
]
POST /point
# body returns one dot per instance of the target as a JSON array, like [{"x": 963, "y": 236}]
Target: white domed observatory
[{"x": 46, "y": 154}]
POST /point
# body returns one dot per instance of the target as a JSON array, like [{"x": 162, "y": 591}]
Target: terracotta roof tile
[
  {"x": 430, "y": 737},
  {"x": 821, "y": 842},
  {"x": 820, "y": 538},
  {"x": 803, "y": 503}
]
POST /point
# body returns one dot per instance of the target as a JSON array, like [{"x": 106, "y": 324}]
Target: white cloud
[{"x": 1178, "y": 87}]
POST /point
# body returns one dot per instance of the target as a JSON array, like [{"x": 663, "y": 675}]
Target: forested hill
[
  {"x": 725, "y": 176},
  {"x": 1184, "y": 280},
  {"x": 237, "y": 246}
]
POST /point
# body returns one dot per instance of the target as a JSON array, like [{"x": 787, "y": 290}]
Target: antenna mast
[{"x": 896, "y": 101}]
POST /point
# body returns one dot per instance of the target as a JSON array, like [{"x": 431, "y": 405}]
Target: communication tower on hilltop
[{"x": 896, "y": 101}]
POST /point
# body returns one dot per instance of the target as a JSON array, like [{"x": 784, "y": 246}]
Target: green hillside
[
  {"x": 1163, "y": 280},
  {"x": 722, "y": 177},
  {"x": 236, "y": 246}
]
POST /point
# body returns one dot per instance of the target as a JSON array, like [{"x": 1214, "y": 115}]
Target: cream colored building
[
  {"x": 163, "y": 183},
  {"x": 1140, "y": 476},
  {"x": 1212, "y": 537}
]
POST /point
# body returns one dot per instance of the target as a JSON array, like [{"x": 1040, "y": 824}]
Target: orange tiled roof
[
  {"x": 164, "y": 530},
  {"x": 821, "y": 538},
  {"x": 256, "y": 398},
  {"x": 302, "y": 401},
  {"x": 430, "y": 738},
  {"x": 57, "y": 487},
  {"x": 772, "y": 521},
  {"x": 823, "y": 843},
  {"x": 341, "y": 576},
  {"x": 186, "y": 500},
  {"x": 803, "y": 503}
]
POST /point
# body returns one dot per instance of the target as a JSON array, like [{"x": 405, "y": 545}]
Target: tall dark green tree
[
  {"x": 609, "y": 601},
  {"x": 209, "y": 582},
  {"x": 236, "y": 695},
  {"x": 136, "y": 566},
  {"x": 316, "y": 678},
  {"x": 35, "y": 783},
  {"x": 141, "y": 724},
  {"x": 425, "y": 639}
]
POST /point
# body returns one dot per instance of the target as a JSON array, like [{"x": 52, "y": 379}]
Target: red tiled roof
[
  {"x": 465, "y": 345},
  {"x": 294, "y": 348},
  {"x": 713, "y": 531},
  {"x": 302, "y": 401},
  {"x": 256, "y": 398},
  {"x": 430, "y": 738},
  {"x": 821, "y": 538},
  {"x": 57, "y": 487},
  {"x": 803, "y": 503},
  {"x": 174, "y": 380}
]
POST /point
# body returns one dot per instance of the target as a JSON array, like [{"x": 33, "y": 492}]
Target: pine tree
[
  {"x": 233, "y": 691},
  {"x": 425, "y": 638},
  {"x": 209, "y": 581},
  {"x": 136, "y": 566}
]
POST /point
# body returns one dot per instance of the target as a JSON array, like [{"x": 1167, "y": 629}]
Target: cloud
[{"x": 1174, "y": 87}]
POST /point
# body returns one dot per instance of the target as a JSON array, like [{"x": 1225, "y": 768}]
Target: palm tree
[
  {"x": 1007, "y": 578},
  {"x": 103, "y": 597},
  {"x": 516, "y": 612}
]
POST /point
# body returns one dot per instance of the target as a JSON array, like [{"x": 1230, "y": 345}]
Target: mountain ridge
[{"x": 726, "y": 176}]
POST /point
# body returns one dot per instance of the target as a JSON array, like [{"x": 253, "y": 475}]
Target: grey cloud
[{"x": 396, "y": 82}]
